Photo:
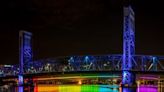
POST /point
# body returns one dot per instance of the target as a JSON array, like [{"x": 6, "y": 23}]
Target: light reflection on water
[
  {"x": 77, "y": 88},
  {"x": 84, "y": 88},
  {"x": 89, "y": 88},
  {"x": 20, "y": 89},
  {"x": 147, "y": 89}
]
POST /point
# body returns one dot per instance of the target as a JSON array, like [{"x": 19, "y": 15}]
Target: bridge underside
[
  {"x": 70, "y": 77},
  {"x": 93, "y": 73},
  {"x": 87, "y": 74}
]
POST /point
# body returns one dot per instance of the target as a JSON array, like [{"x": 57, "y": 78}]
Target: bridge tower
[
  {"x": 25, "y": 53},
  {"x": 128, "y": 77}
]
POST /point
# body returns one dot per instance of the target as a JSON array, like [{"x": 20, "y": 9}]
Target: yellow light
[
  {"x": 47, "y": 88},
  {"x": 114, "y": 80},
  {"x": 138, "y": 83},
  {"x": 79, "y": 82}
]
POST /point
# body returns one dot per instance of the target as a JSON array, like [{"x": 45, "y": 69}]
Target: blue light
[
  {"x": 108, "y": 88},
  {"x": 128, "y": 78},
  {"x": 25, "y": 51},
  {"x": 86, "y": 59},
  {"x": 20, "y": 89},
  {"x": 128, "y": 46},
  {"x": 20, "y": 79},
  {"x": 71, "y": 60},
  {"x": 124, "y": 73},
  {"x": 154, "y": 59}
]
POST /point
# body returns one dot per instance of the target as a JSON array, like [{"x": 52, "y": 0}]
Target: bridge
[
  {"x": 110, "y": 63},
  {"x": 127, "y": 64}
]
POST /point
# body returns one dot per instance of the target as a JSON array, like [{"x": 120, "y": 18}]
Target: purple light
[
  {"x": 20, "y": 89},
  {"x": 144, "y": 88},
  {"x": 20, "y": 79}
]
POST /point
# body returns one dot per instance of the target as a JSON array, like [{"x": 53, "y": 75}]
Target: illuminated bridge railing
[{"x": 86, "y": 63}]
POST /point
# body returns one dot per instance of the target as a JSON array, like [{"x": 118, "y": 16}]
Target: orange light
[{"x": 79, "y": 82}]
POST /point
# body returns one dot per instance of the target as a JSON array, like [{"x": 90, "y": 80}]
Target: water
[
  {"x": 86, "y": 85},
  {"x": 85, "y": 88},
  {"x": 78, "y": 88}
]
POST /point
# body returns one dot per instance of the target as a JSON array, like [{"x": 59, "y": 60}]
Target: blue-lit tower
[
  {"x": 128, "y": 78},
  {"x": 25, "y": 54}
]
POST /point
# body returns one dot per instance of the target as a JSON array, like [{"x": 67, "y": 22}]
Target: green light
[{"x": 89, "y": 88}]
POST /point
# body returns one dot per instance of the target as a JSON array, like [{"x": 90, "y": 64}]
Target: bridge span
[
  {"x": 109, "y": 63},
  {"x": 128, "y": 66}
]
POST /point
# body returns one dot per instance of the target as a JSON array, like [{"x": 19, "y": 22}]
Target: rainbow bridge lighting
[{"x": 76, "y": 88}]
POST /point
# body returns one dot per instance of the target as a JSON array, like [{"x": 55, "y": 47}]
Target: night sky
[{"x": 78, "y": 27}]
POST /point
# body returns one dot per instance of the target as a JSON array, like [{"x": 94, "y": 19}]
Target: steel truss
[{"x": 113, "y": 62}]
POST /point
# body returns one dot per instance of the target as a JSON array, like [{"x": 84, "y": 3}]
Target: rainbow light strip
[
  {"x": 76, "y": 88},
  {"x": 89, "y": 88}
]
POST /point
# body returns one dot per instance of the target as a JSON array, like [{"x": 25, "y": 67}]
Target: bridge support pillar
[
  {"x": 128, "y": 77},
  {"x": 20, "y": 83},
  {"x": 124, "y": 89},
  {"x": 25, "y": 56}
]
